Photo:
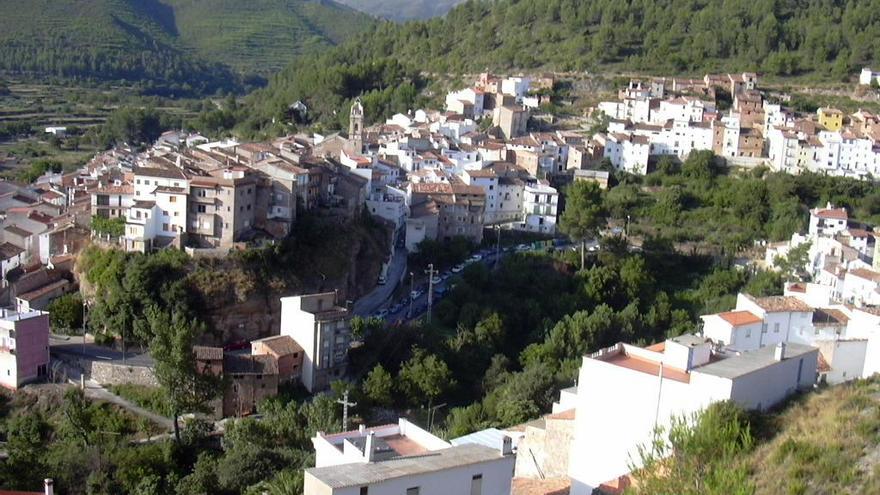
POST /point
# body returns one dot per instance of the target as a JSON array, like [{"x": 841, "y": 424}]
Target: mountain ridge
[{"x": 198, "y": 45}]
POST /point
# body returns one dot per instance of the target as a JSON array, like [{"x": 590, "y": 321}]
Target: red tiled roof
[
  {"x": 738, "y": 318},
  {"x": 833, "y": 213}
]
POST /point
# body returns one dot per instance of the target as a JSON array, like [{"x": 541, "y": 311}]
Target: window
[
  {"x": 412, "y": 491},
  {"x": 165, "y": 213},
  {"x": 201, "y": 208},
  {"x": 776, "y": 328},
  {"x": 748, "y": 332},
  {"x": 477, "y": 484},
  {"x": 173, "y": 199},
  {"x": 165, "y": 227},
  {"x": 764, "y": 328},
  {"x": 365, "y": 490}
]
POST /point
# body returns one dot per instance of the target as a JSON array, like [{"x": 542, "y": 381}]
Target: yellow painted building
[{"x": 830, "y": 118}]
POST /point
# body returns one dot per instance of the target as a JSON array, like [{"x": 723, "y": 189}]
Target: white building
[
  {"x": 861, "y": 287},
  {"x": 867, "y": 76},
  {"x": 628, "y": 152},
  {"x": 403, "y": 459},
  {"x": 540, "y": 203},
  {"x": 782, "y": 318},
  {"x": 321, "y": 328},
  {"x": 681, "y": 109},
  {"x": 828, "y": 221},
  {"x": 646, "y": 387},
  {"x": 729, "y": 131},
  {"x": 158, "y": 214}
]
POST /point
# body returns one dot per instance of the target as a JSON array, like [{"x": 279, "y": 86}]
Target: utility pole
[
  {"x": 430, "y": 273},
  {"x": 85, "y": 305},
  {"x": 431, "y": 414},
  {"x": 411, "y": 289},
  {"x": 345, "y": 404}
]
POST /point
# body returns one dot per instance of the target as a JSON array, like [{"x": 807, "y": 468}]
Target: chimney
[
  {"x": 506, "y": 445},
  {"x": 47, "y": 485},
  {"x": 779, "y": 353},
  {"x": 368, "y": 447},
  {"x": 362, "y": 429}
]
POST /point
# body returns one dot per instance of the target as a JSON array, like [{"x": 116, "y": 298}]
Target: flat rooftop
[
  {"x": 359, "y": 474},
  {"x": 737, "y": 365}
]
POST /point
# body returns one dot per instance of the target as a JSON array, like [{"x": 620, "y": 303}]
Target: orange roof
[
  {"x": 551, "y": 486},
  {"x": 647, "y": 366},
  {"x": 834, "y": 213},
  {"x": 739, "y": 318},
  {"x": 658, "y": 347},
  {"x": 866, "y": 274}
]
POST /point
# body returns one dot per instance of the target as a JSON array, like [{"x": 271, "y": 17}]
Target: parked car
[
  {"x": 436, "y": 280},
  {"x": 457, "y": 268},
  {"x": 382, "y": 280},
  {"x": 396, "y": 308},
  {"x": 416, "y": 294},
  {"x": 382, "y": 313},
  {"x": 476, "y": 257},
  {"x": 445, "y": 275},
  {"x": 522, "y": 248}
]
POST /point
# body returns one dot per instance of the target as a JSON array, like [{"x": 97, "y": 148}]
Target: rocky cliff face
[{"x": 258, "y": 314}]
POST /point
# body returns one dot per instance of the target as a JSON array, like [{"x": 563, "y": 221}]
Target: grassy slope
[
  {"x": 402, "y": 10},
  {"x": 827, "y": 442}
]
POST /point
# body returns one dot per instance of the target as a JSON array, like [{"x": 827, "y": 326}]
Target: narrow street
[{"x": 372, "y": 301}]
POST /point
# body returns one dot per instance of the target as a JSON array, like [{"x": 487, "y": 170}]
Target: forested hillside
[
  {"x": 189, "y": 45},
  {"x": 821, "y": 39},
  {"x": 403, "y": 10}
]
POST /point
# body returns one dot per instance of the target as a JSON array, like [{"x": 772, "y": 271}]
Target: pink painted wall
[{"x": 31, "y": 346}]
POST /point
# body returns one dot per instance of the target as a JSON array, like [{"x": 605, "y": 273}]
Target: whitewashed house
[
  {"x": 403, "y": 459},
  {"x": 625, "y": 393}
]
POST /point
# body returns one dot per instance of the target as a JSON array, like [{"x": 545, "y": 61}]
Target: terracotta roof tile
[{"x": 738, "y": 318}]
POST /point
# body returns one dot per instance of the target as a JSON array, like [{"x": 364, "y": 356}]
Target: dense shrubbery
[
  {"x": 503, "y": 343},
  {"x": 701, "y": 202}
]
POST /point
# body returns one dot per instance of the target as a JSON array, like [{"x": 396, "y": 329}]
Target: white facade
[
  {"x": 321, "y": 328},
  {"x": 404, "y": 459},
  {"x": 540, "y": 203},
  {"x": 628, "y": 153},
  {"x": 730, "y": 130},
  {"x": 867, "y": 76},
  {"x": 861, "y": 287},
  {"x": 828, "y": 221},
  {"x": 647, "y": 387},
  {"x": 782, "y": 318}
]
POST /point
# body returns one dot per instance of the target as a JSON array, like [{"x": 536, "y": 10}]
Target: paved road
[
  {"x": 74, "y": 346},
  {"x": 376, "y": 298}
]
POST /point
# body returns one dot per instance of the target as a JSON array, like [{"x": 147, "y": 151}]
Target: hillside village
[{"x": 436, "y": 175}]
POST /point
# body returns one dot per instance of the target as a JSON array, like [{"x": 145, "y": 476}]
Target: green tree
[
  {"x": 114, "y": 227},
  {"x": 171, "y": 347},
  {"x": 424, "y": 376},
  {"x": 66, "y": 312},
  {"x": 584, "y": 213},
  {"x": 378, "y": 386},
  {"x": 698, "y": 455},
  {"x": 794, "y": 264}
]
